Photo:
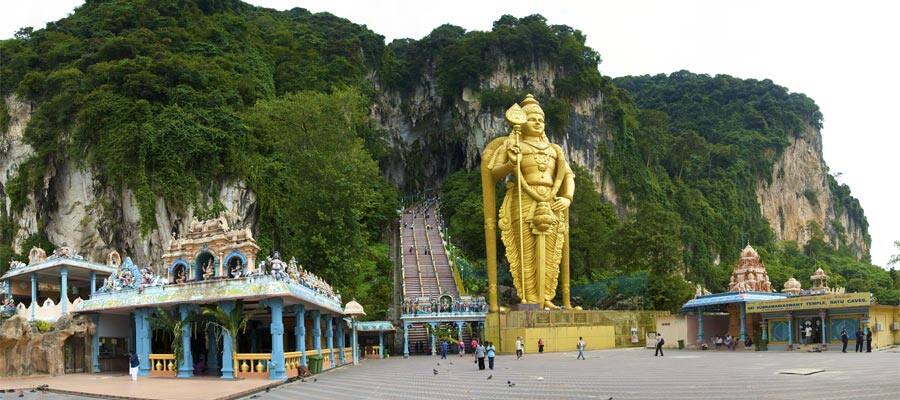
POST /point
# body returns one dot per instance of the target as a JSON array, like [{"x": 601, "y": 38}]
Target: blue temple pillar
[
  {"x": 93, "y": 283},
  {"x": 212, "y": 350},
  {"x": 405, "y": 340},
  {"x": 329, "y": 335},
  {"x": 339, "y": 320},
  {"x": 459, "y": 330},
  {"x": 300, "y": 332},
  {"x": 95, "y": 344},
  {"x": 227, "y": 350},
  {"x": 700, "y": 326},
  {"x": 790, "y": 345},
  {"x": 822, "y": 330},
  {"x": 64, "y": 289},
  {"x": 142, "y": 340},
  {"x": 186, "y": 367},
  {"x": 33, "y": 294},
  {"x": 743, "y": 321},
  {"x": 317, "y": 331},
  {"x": 433, "y": 327},
  {"x": 276, "y": 306},
  {"x": 764, "y": 327},
  {"x": 380, "y": 344}
]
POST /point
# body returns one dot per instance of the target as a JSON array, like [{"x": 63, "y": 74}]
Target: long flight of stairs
[{"x": 426, "y": 266}]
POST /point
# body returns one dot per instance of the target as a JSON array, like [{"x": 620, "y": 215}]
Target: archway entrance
[{"x": 73, "y": 354}]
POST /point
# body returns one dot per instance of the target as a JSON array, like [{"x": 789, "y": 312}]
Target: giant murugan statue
[{"x": 534, "y": 217}]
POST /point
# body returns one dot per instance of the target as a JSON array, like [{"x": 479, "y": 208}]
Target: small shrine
[
  {"x": 749, "y": 273},
  {"x": 819, "y": 280},
  {"x": 792, "y": 287},
  {"x": 210, "y": 249}
]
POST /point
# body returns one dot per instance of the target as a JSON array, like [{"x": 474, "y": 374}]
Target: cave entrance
[{"x": 73, "y": 354}]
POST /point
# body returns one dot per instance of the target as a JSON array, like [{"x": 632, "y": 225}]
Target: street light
[{"x": 353, "y": 310}]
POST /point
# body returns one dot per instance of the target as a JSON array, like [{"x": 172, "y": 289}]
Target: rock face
[
  {"x": 26, "y": 351},
  {"x": 430, "y": 137},
  {"x": 799, "y": 194}
]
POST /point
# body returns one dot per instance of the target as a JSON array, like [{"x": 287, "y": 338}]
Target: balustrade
[
  {"x": 252, "y": 365},
  {"x": 163, "y": 365}
]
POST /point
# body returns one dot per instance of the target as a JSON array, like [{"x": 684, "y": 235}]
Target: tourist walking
[
  {"x": 474, "y": 345},
  {"x": 844, "y": 339},
  {"x": 540, "y": 345},
  {"x": 868, "y": 340},
  {"x": 133, "y": 364},
  {"x": 520, "y": 347},
  {"x": 659, "y": 344},
  {"x": 491, "y": 352},
  {"x": 859, "y": 340},
  {"x": 444, "y": 347},
  {"x": 479, "y": 355},
  {"x": 462, "y": 348},
  {"x": 580, "y": 346}
]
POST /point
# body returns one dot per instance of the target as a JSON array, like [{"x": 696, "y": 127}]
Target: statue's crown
[{"x": 531, "y": 105}]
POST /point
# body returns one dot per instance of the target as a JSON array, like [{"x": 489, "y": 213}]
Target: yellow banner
[{"x": 824, "y": 301}]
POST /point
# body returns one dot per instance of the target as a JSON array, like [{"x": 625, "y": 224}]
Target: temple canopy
[{"x": 729, "y": 297}]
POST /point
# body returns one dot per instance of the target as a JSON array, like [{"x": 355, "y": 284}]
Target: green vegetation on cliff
[{"x": 172, "y": 99}]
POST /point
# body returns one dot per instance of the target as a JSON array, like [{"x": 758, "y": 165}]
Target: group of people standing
[
  {"x": 860, "y": 337},
  {"x": 482, "y": 351}
]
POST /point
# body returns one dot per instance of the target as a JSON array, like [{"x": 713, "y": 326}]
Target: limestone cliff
[
  {"x": 75, "y": 209},
  {"x": 798, "y": 193}
]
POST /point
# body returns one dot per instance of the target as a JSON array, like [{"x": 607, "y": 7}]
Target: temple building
[
  {"x": 212, "y": 277},
  {"x": 792, "y": 319}
]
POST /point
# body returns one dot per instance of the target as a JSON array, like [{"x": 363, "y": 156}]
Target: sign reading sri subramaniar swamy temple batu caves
[{"x": 841, "y": 300}]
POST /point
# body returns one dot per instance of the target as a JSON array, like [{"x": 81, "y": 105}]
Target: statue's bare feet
[{"x": 550, "y": 305}]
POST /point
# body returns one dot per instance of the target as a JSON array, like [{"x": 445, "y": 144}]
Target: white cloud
[{"x": 842, "y": 56}]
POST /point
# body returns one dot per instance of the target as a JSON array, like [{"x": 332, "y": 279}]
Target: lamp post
[{"x": 353, "y": 310}]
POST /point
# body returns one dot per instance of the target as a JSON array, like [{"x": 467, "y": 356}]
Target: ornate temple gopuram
[
  {"x": 792, "y": 319},
  {"x": 294, "y": 321}
]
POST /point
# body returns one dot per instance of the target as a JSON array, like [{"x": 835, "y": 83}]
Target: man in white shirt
[
  {"x": 520, "y": 347},
  {"x": 581, "y": 346}
]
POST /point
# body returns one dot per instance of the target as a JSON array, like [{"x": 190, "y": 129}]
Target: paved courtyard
[{"x": 620, "y": 374}]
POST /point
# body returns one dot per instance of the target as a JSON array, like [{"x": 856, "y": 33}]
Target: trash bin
[
  {"x": 315, "y": 364},
  {"x": 680, "y": 344}
]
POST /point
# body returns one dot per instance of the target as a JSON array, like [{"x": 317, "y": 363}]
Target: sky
[{"x": 841, "y": 54}]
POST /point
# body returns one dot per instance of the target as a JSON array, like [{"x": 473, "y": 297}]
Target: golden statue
[{"x": 534, "y": 217}]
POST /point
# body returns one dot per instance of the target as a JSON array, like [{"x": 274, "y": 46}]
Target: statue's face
[{"x": 534, "y": 125}]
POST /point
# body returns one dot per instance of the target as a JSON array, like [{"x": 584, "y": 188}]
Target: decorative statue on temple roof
[
  {"x": 179, "y": 276},
  {"x": 277, "y": 267},
  {"x": 114, "y": 259},
  {"x": 293, "y": 271},
  {"x": 534, "y": 217},
  {"x": 9, "y": 305},
  {"x": 237, "y": 269},
  {"x": 14, "y": 264},
  {"x": 208, "y": 270},
  {"x": 36, "y": 255}
]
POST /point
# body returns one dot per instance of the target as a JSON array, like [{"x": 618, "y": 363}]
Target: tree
[
  {"x": 895, "y": 259},
  {"x": 234, "y": 321},
  {"x": 170, "y": 323}
]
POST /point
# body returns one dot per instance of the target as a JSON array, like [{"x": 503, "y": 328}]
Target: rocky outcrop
[
  {"x": 432, "y": 136},
  {"x": 26, "y": 351},
  {"x": 798, "y": 194}
]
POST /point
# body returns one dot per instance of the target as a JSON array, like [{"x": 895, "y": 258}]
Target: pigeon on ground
[
  {"x": 451, "y": 362},
  {"x": 510, "y": 384},
  {"x": 22, "y": 394},
  {"x": 490, "y": 376},
  {"x": 315, "y": 379},
  {"x": 434, "y": 370},
  {"x": 302, "y": 380},
  {"x": 268, "y": 389},
  {"x": 439, "y": 363}
]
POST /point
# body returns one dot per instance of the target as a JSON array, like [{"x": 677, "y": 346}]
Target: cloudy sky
[{"x": 842, "y": 54}]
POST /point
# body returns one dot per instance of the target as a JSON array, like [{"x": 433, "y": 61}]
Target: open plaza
[{"x": 618, "y": 374}]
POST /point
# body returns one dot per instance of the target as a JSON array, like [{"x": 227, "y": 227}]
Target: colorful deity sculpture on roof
[{"x": 749, "y": 274}]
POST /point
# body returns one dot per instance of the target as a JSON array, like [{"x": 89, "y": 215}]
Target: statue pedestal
[{"x": 525, "y": 307}]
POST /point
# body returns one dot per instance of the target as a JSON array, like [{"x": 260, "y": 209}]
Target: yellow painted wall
[
  {"x": 503, "y": 329},
  {"x": 673, "y": 328},
  {"x": 886, "y": 316}
]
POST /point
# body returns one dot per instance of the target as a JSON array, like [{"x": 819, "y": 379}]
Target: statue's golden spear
[{"x": 516, "y": 116}]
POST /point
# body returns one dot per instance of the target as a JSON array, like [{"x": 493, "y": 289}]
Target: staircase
[{"x": 425, "y": 264}]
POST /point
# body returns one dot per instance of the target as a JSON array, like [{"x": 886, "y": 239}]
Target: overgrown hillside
[{"x": 127, "y": 119}]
